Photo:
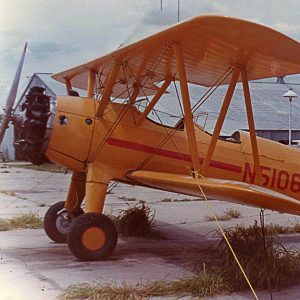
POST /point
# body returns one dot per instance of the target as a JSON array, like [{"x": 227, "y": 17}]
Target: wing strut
[
  {"x": 135, "y": 93},
  {"x": 188, "y": 116},
  {"x": 155, "y": 99},
  {"x": 108, "y": 89},
  {"x": 68, "y": 86},
  {"x": 257, "y": 168},
  {"x": 220, "y": 121},
  {"x": 91, "y": 84}
]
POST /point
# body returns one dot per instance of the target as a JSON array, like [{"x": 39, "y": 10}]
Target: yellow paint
[
  {"x": 91, "y": 84},
  {"x": 197, "y": 51},
  {"x": 72, "y": 140},
  {"x": 211, "y": 45},
  {"x": 76, "y": 191},
  {"x": 251, "y": 125},
  {"x": 153, "y": 102},
  {"x": 93, "y": 238},
  {"x": 68, "y": 86},
  {"x": 108, "y": 89},
  {"x": 188, "y": 116},
  {"x": 109, "y": 161},
  {"x": 220, "y": 121}
]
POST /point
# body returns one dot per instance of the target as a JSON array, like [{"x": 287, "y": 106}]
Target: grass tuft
[
  {"x": 233, "y": 213},
  {"x": 138, "y": 221},
  {"x": 48, "y": 167},
  {"x": 266, "y": 262},
  {"x": 226, "y": 216},
  {"x": 27, "y": 221},
  {"x": 179, "y": 200},
  {"x": 126, "y": 199},
  {"x": 166, "y": 200},
  {"x": 202, "y": 285},
  {"x": 9, "y": 193},
  {"x": 283, "y": 229}
]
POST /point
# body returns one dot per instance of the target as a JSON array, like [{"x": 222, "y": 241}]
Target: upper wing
[
  {"x": 211, "y": 44},
  {"x": 219, "y": 189}
]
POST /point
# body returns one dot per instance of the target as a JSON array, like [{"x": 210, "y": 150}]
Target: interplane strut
[
  {"x": 220, "y": 121},
  {"x": 257, "y": 167},
  {"x": 188, "y": 116},
  {"x": 108, "y": 89}
]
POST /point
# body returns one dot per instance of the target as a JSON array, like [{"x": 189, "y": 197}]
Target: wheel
[
  {"x": 57, "y": 222},
  {"x": 92, "y": 236}
]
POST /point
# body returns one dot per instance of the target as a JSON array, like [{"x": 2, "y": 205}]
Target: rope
[{"x": 197, "y": 175}]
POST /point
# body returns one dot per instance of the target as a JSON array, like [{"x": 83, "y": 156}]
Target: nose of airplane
[{"x": 34, "y": 126}]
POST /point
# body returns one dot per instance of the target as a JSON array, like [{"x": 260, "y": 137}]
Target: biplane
[{"x": 101, "y": 139}]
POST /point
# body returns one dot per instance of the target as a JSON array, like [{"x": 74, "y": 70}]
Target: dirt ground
[{"x": 33, "y": 267}]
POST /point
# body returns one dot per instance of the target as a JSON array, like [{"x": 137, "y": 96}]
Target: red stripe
[
  {"x": 225, "y": 166},
  {"x": 170, "y": 154},
  {"x": 148, "y": 149}
]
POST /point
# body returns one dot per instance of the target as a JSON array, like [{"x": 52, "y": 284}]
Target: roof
[
  {"x": 52, "y": 87},
  {"x": 56, "y": 87},
  {"x": 270, "y": 108},
  {"x": 211, "y": 44}
]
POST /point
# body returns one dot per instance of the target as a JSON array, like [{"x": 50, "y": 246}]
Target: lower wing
[{"x": 232, "y": 191}]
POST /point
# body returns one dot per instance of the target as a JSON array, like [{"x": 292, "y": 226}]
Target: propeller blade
[{"x": 12, "y": 97}]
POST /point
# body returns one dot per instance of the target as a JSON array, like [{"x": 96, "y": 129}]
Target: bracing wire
[
  {"x": 197, "y": 176},
  {"x": 212, "y": 89}
]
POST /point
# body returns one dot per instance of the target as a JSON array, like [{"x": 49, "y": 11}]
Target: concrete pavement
[{"x": 33, "y": 267}]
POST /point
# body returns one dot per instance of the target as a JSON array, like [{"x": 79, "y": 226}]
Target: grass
[
  {"x": 13, "y": 194},
  {"x": 166, "y": 200},
  {"x": 45, "y": 167},
  {"x": 266, "y": 261},
  {"x": 9, "y": 193},
  {"x": 226, "y": 216},
  {"x": 233, "y": 213},
  {"x": 137, "y": 220},
  {"x": 126, "y": 199},
  {"x": 202, "y": 285},
  {"x": 26, "y": 221},
  {"x": 178, "y": 200},
  {"x": 284, "y": 229}
]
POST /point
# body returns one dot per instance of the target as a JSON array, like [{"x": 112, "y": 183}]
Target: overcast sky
[{"x": 65, "y": 33}]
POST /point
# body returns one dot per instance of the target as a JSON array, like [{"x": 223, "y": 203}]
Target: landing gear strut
[{"x": 58, "y": 220}]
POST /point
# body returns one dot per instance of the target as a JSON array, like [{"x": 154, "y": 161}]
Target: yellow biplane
[{"x": 103, "y": 140}]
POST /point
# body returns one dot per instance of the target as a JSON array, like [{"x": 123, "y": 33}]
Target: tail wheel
[
  {"x": 92, "y": 236},
  {"x": 58, "y": 220}
]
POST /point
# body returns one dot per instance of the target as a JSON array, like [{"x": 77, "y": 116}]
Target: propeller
[{"x": 12, "y": 97}]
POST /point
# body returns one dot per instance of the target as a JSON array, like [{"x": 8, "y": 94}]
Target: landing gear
[
  {"x": 57, "y": 222},
  {"x": 92, "y": 236}
]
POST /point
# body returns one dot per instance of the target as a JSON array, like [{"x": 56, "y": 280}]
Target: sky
[{"x": 65, "y": 33}]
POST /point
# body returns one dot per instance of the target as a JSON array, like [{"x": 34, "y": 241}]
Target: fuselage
[{"x": 115, "y": 142}]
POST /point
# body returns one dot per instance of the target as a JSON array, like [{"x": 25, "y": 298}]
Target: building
[{"x": 271, "y": 110}]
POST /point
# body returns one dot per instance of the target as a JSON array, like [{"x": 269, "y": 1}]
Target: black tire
[
  {"x": 103, "y": 245},
  {"x": 51, "y": 222}
]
